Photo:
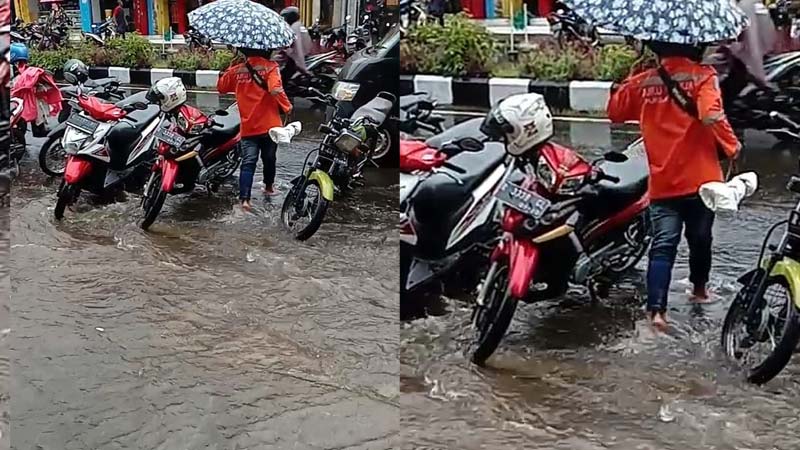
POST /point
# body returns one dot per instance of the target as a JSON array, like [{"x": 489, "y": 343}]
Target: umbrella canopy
[
  {"x": 242, "y": 23},
  {"x": 674, "y": 21}
]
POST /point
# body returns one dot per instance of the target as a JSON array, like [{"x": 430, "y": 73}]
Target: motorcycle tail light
[{"x": 164, "y": 148}]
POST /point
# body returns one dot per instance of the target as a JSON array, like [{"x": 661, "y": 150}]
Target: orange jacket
[
  {"x": 681, "y": 150},
  {"x": 259, "y": 109}
]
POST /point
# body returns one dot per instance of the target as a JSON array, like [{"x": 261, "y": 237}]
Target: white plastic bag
[
  {"x": 725, "y": 197},
  {"x": 284, "y": 135}
]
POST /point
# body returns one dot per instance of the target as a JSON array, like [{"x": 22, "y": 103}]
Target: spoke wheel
[
  {"x": 494, "y": 317},
  {"x": 763, "y": 350},
  {"x": 304, "y": 209}
]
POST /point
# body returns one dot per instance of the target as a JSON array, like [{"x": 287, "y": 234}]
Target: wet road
[
  {"x": 214, "y": 331},
  {"x": 574, "y": 377}
]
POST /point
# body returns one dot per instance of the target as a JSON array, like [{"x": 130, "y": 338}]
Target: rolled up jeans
[
  {"x": 668, "y": 218},
  {"x": 251, "y": 147}
]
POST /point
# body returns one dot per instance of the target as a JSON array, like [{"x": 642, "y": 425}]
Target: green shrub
[
  {"x": 555, "y": 63},
  {"x": 462, "y": 47},
  {"x": 614, "y": 62},
  {"x": 132, "y": 51},
  {"x": 51, "y": 60},
  {"x": 507, "y": 70},
  {"x": 187, "y": 60},
  {"x": 220, "y": 59}
]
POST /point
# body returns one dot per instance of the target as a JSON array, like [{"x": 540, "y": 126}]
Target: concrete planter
[
  {"x": 589, "y": 96},
  {"x": 191, "y": 78}
]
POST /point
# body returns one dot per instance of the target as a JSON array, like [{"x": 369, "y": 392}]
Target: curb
[
  {"x": 588, "y": 96},
  {"x": 191, "y": 78}
]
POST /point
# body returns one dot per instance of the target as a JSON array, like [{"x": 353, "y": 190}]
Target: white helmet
[
  {"x": 169, "y": 93},
  {"x": 524, "y": 120}
]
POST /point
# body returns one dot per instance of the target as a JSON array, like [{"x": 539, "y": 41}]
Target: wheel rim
[
  {"x": 634, "y": 236},
  {"x": 56, "y": 158},
  {"x": 749, "y": 350},
  {"x": 301, "y": 206},
  {"x": 382, "y": 145},
  {"x": 496, "y": 295}
]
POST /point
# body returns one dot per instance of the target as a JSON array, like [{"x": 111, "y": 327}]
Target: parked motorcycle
[
  {"x": 568, "y": 27},
  {"x": 108, "y": 148},
  {"x": 193, "y": 149},
  {"x": 198, "y": 41},
  {"x": 762, "y": 327},
  {"x": 347, "y": 146},
  {"x": 588, "y": 221},
  {"x": 102, "y": 33},
  {"x": 417, "y": 114},
  {"x": 17, "y": 149}
]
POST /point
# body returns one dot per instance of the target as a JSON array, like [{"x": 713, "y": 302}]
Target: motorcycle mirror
[
  {"x": 470, "y": 145},
  {"x": 615, "y": 157}
]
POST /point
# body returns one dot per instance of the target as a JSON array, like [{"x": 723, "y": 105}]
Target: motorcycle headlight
[
  {"x": 345, "y": 92},
  {"x": 73, "y": 140},
  {"x": 347, "y": 141},
  {"x": 545, "y": 174}
]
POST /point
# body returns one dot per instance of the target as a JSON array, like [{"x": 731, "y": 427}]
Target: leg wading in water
[
  {"x": 251, "y": 148},
  {"x": 669, "y": 217}
]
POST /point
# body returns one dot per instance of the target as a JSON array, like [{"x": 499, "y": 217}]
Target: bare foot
[
  {"x": 700, "y": 296},
  {"x": 659, "y": 322},
  {"x": 246, "y": 206},
  {"x": 269, "y": 191}
]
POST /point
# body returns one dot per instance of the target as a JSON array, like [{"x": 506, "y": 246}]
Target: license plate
[
  {"x": 523, "y": 200},
  {"x": 170, "y": 137},
  {"x": 83, "y": 123}
]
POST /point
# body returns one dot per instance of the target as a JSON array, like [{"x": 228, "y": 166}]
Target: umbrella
[
  {"x": 242, "y": 23},
  {"x": 674, "y": 21}
]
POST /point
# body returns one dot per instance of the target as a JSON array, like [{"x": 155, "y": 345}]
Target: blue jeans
[
  {"x": 251, "y": 147},
  {"x": 668, "y": 219}
]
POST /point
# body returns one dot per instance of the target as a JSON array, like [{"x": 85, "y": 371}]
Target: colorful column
[
  {"x": 23, "y": 10},
  {"x": 140, "y": 17},
  {"x": 151, "y": 17},
  {"x": 475, "y": 8},
  {"x": 490, "y": 9},
  {"x": 161, "y": 16},
  {"x": 86, "y": 15},
  {"x": 545, "y": 7},
  {"x": 178, "y": 15}
]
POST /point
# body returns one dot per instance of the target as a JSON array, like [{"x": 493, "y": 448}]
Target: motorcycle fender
[
  {"x": 747, "y": 277},
  {"x": 76, "y": 169},
  {"x": 169, "y": 173},
  {"x": 523, "y": 258},
  {"x": 790, "y": 270},
  {"x": 59, "y": 129},
  {"x": 325, "y": 183}
]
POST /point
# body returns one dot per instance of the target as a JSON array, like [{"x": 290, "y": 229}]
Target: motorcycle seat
[
  {"x": 100, "y": 82},
  {"x": 468, "y": 128},
  {"x": 228, "y": 130},
  {"x": 439, "y": 196},
  {"x": 632, "y": 185},
  {"x": 410, "y": 102},
  {"x": 139, "y": 97},
  {"x": 143, "y": 117},
  {"x": 377, "y": 109}
]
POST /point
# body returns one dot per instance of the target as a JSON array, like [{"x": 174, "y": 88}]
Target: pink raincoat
[{"x": 34, "y": 84}]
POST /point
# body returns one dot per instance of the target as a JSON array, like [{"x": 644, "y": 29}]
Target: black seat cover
[
  {"x": 614, "y": 197},
  {"x": 410, "y": 101},
  {"x": 375, "y": 110},
  {"x": 135, "y": 98},
  {"x": 230, "y": 127},
  {"x": 100, "y": 82},
  {"x": 125, "y": 134},
  {"x": 439, "y": 195},
  {"x": 468, "y": 128}
]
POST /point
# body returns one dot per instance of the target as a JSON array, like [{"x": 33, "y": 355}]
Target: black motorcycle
[
  {"x": 568, "y": 27},
  {"x": 417, "y": 115},
  {"x": 347, "y": 146},
  {"x": 197, "y": 40}
]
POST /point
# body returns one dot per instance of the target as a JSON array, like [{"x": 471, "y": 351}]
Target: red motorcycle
[
  {"x": 193, "y": 149},
  {"x": 567, "y": 221}
]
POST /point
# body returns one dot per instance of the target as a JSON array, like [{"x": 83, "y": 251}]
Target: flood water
[
  {"x": 575, "y": 377},
  {"x": 213, "y": 331}
]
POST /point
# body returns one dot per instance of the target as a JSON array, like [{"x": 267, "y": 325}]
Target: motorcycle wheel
[
  {"x": 297, "y": 205},
  {"x": 67, "y": 194},
  {"x": 739, "y": 344},
  {"x": 154, "y": 198},
  {"x": 493, "y": 319},
  {"x": 52, "y": 157},
  {"x": 637, "y": 232},
  {"x": 383, "y": 144}
]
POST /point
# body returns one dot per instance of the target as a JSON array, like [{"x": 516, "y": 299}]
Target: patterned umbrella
[
  {"x": 242, "y": 23},
  {"x": 675, "y": 21}
]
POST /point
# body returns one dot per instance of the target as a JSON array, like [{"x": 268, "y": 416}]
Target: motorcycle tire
[
  {"x": 67, "y": 194},
  {"x": 643, "y": 221},
  {"x": 780, "y": 356},
  {"x": 493, "y": 319},
  {"x": 316, "y": 219},
  {"x": 153, "y": 202},
  {"x": 49, "y": 148}
]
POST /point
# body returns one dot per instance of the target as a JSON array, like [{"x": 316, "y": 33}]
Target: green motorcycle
[
  {"x": 347, "y": 146},
  {"x": 762, "y": 326}
]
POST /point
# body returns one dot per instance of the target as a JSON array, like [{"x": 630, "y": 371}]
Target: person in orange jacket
[
  {"x": 683, "y": 153},
  {"x": 261, "y": 98}
]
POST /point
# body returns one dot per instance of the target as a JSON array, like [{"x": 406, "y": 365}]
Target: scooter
[
  {"x": 566, "y": 222},
  {"x": 193, "y": 149},
  {"x": 102, "y": 33},
  {"x": 567, "y": 27},
  {"x": 417, "y": 114},
  {"x": 107, "y": 147}
]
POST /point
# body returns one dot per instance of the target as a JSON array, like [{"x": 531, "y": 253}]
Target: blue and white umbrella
[
  {"x": 242, "y": 23},
  {"x": 675, "y": 21}
]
